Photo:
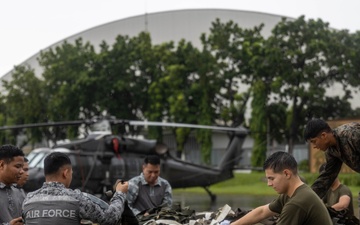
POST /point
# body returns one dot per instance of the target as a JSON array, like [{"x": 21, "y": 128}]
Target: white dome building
[{"x": 164, "y": 27}]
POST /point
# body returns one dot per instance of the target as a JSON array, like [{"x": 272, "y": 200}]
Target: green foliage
[
  {"x": 181, "y": 136},
  {"x": 5, "y": 136},
  {"x": 286, "y": 77},
  {"x": 304, "y": 166},
  {"x": 233, "y": 48},
  {"x": 277, "y": 114},
  {"x": 26, "y": 102},
  {"x": 67, "y": 85},
  {"x": 349, "y": 179},
  {"x": 182, "y": 90},
  {"x": 302, "y": 57},
  {"x": 207, "y": 71},
  {"x": 258, "y": 125},
  {"x": 125, "y": 72}
]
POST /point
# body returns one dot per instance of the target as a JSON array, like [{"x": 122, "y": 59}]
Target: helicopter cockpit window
[
  {"x": 30, "y": 156},
  {"x": 38, "y": 160}
]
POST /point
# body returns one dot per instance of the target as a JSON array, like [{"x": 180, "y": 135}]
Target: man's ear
[
  {"x": 323, "y": 135},
  {"x": 287, "y": 173},
  {"x": 65, "y": 173},
  {"x": 2, "y": 163}
]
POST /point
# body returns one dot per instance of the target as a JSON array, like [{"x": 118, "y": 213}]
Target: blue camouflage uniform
[
  {"x": 142, "y": 197},
  {"x": 347, "y": 151},
  {"x": 55, "y": 204},
  {"x": 11, "y": 200}
]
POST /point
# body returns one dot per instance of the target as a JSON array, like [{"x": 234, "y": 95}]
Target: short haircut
[
  {"x": 280, "y": 161},
  {"x": 152, "y": 159},
  {"x": 8, "y": 152},
  {"x": 314, "y": 127},
  {"x": 54, "y": 161}
]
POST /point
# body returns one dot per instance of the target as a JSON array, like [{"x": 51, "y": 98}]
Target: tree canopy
[{"x": 286, "y": 77}]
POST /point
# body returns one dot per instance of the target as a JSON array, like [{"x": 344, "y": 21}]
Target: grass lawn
[{"x": 255, "y": 183}]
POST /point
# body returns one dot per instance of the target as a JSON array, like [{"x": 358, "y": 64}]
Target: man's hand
[
  {"x": 121, "y": 186},
  {"x": 17, "y": 221}
]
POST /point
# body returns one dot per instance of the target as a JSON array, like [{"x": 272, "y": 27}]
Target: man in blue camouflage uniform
[
  {"x": 24, "y": 177},
  {"x": 11, "y": 169},
  {"x": 148, "y": 190},
  {"x": 341, "y": 145},
  {"x": 54, "y": 203}
]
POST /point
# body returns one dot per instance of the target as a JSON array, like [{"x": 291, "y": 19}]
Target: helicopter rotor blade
[
  {"x": 46, "y": 124},
  {"x": 186, "y": 125},
  {"x": 119, "y": 122}
]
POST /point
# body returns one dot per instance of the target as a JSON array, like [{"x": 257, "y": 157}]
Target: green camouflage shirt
[{"x": 347, "y": 151}]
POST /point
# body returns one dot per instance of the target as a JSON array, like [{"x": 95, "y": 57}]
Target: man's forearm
[{"x": 254, "y": 216}]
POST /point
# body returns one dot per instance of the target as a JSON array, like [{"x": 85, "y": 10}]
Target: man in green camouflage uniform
[{"x": 341, "y": 145}]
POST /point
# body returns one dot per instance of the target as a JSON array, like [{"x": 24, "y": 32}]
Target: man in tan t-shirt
[{"x": 339, "y": 196}]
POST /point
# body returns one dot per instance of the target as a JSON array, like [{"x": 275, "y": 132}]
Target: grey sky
[{"x": 29, "y": 26}]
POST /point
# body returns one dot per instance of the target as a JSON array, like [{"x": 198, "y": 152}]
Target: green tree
[
  {"x": 160, "y": 90},
  {"x": 25, "y": 102},
  {"x": 181, "y": 93},
  {"x": 259, "y": 123},
  {"x": 5, "y": 136},
  {"x": 240, "y": 54},
  {"x": 125, "y": 73},
  {"x": 233, "y": 48},
  {"x": 176, "y": 84},
  {"x": 66, "y": 69},
  {"x": 308, "y": 58},
  {"x": 67, "y": 72},
  {"x": 206, "y": 88}
]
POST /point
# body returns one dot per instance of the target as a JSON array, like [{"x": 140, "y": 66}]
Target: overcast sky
[{"x": 29, "y": 26}]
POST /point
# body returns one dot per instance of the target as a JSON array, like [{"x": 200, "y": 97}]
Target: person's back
[
  {"x": 304, "y": 205},
  {"x": 54, "y": 203}
]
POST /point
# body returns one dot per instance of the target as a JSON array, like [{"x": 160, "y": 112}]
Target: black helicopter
[{"x": 101, "y": 158}]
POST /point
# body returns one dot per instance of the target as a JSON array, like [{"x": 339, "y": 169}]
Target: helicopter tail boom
[{"x": 233, "y": 154}]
